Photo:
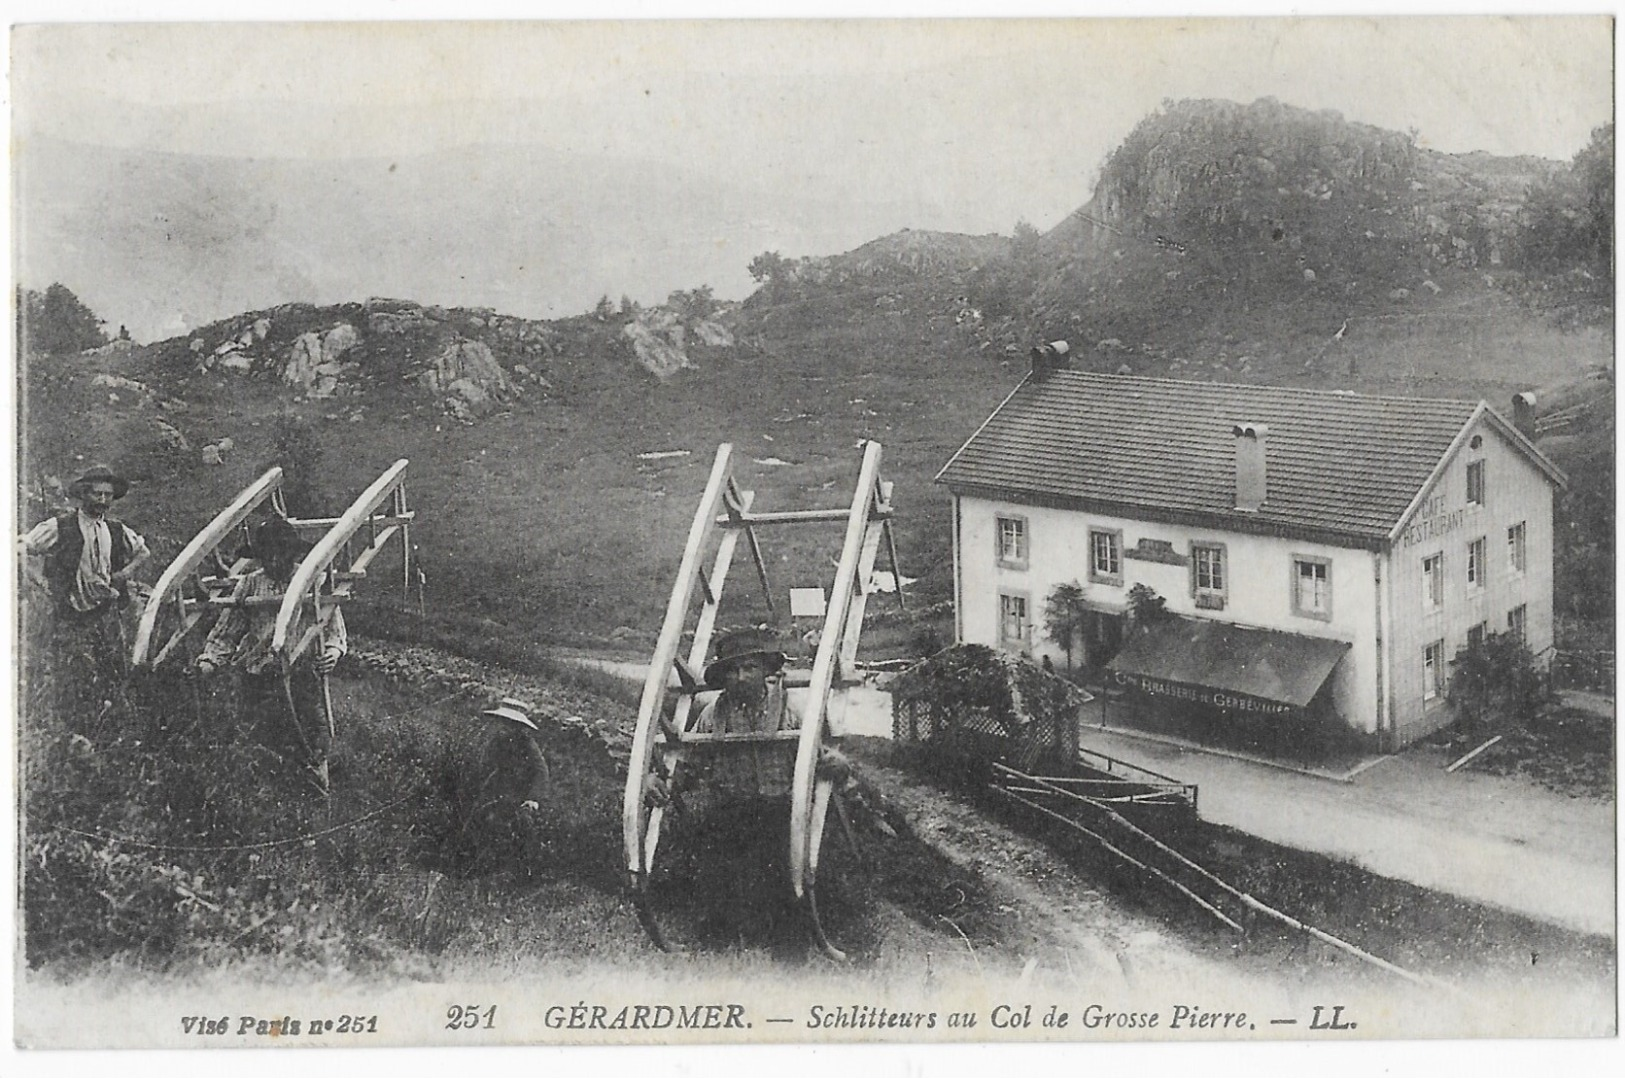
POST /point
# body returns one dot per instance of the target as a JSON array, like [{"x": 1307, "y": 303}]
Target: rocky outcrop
[
  {"x": 467, "y": 379},
  {"x": 313, "y": 361},
  {"x": 657, "y": 337},
  {"x": 714, "y": 334}
]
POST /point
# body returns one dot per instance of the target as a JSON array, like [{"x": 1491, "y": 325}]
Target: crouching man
[{"x": 501, "y": 790}]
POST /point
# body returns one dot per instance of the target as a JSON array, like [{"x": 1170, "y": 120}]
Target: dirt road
[{"x": 1500, "y": 841}]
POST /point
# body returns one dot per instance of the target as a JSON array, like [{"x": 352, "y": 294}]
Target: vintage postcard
[{"x": 741, "y": 532}]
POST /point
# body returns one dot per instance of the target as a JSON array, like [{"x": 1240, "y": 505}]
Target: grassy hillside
[{"x": 1254, "y": 244}]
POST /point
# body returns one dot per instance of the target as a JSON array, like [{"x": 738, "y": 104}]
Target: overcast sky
[{"x": 979, "y": 123}]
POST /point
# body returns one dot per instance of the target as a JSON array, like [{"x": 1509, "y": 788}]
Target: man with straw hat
[
  {"x": 292, "y": 712},
  {"x": 85, "y": 560},
  {"x": 500, "y": 800}
]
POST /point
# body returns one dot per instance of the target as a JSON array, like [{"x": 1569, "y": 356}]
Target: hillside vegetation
[{"x": 556, "y": 475}]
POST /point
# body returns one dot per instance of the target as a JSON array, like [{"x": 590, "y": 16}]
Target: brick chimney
[
  {"x": 1523, "y": 414},
  {"x": 1054, "y": 356},
  {"x": 1252, "y": 486}
]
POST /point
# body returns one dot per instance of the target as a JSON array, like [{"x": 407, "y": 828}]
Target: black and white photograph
[{"x": 812, "y": 531}]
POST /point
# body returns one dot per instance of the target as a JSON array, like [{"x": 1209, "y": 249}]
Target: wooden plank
[
  {"x": 791, "y": 516},
  {"x": 824, "y": 668},
  {"x": 1474, "y": 753},
  {"x": 660, "y": 664},
  {"x": 193, "y": 554}
]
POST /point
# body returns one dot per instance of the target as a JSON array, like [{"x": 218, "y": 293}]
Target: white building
[{"x": 1328, "y": 553}]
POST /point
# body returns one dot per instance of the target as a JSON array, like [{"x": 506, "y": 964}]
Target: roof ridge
[{"x": 1338, "y": 394}]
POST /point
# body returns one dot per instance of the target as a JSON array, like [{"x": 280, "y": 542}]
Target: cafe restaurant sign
[
  {"x": 1201, "y": 694},
  {"x": 1433, "y": 520}
]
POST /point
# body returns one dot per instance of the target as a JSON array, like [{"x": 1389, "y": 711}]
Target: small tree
[
  {"x": 1496, "y": 683},
  {"x": 768, "y": 268},
  {"x": 1146, "y": 607},
  {"x": 1064, "y": 615},
  {"x": 57, "y": 322},
  {"x": 604, "y": 310}
]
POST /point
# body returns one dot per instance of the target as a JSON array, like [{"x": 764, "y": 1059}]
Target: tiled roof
[{"x": 1337, "y": 464}]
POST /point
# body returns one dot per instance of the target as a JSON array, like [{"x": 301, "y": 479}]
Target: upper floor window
[
  {"x": 1209, "y": 579},
  {"x": 1106, "y": 556},
  {"x": 1312, "y": 587},
  {"x": 1516, "y": 555},
  {"x": 1475, "y": 563},
  {"x": 1012, "y": 539},
  {"x": 1433, "y": 581},
  {"x": 1475, "y": 482},
  {"x": 1475, "y": 635}
]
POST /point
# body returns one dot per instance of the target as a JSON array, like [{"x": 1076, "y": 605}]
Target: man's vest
[{"x": 62, "y": 560}]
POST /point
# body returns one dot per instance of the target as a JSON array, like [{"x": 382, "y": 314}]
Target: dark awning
[{"x": 1226, "y": 666}]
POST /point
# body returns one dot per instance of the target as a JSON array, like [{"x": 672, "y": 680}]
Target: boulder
[
  {"x": 467, "y": 378},
  {"x": 303, "y": 359},
  {"x": 657, "y": 340},
  {"x": 237, "y": 361},
  {"x": 339, "y": 340},
  {"x": 262, "y": 328},
  {"x": 113, "y": 381},
  {"x": 226, "y": 445},
  {"x": 171, "y": 436},
  {"x": 713, "y": 334},
  {"x": 211, "y": 454},
  {"x": 394, "y": 321}
]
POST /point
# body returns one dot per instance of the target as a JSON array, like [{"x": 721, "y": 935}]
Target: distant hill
[{"x": 165, "y": 243}]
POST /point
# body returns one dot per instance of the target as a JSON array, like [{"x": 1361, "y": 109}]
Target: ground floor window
[
  {"x": 1433, "y": 671},
  {"x": 1015, "y": 624},
  {"x": 1515, "y": 621}
]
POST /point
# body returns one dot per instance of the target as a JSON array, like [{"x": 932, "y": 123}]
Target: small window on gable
[
  {"x": 1012, "y": 542},
  {"x": 1475, "y": 482}
]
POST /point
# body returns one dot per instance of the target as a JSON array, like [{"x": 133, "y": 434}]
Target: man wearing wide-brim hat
[
  {"x": 746, "y": 668},
  {"x": 502, "y": 790},
  {"x": 85, "y": 560},
  {"x": 241, "y": 639}
]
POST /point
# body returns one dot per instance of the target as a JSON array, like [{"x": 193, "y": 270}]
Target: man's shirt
[
  {"x": 93, "y": 584},
  {"x": 242, "y": 635}
]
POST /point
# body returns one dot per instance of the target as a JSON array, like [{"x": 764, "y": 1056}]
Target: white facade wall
[
  {"x": 1515, "y": 491},
  {"x": 1259, "y": 589}
]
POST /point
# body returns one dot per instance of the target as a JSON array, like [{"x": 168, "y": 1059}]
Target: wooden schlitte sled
[{"x": 663, "y": 744}]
